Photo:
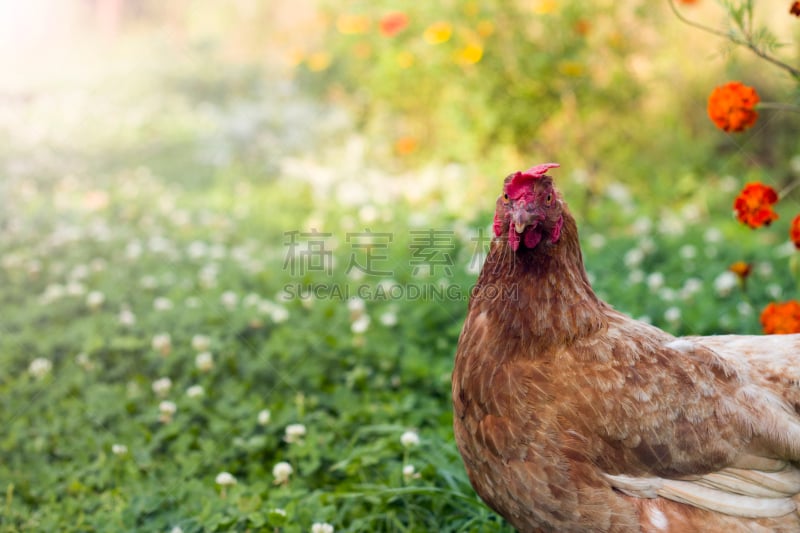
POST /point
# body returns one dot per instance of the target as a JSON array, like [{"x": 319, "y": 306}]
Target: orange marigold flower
[
  {"x": 795, "y": 9},
  {"x": 393, "y": 23},
  {"x": 781, "y": 318},
  {"x": 753, "y": 206},
  {"x": 730, "y": 106},
  {"x": 741, "y": 269},
  {"x": 405, "y": 145},
  {"x": 794, "y": 232}
]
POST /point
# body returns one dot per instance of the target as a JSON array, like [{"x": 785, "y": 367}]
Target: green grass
[{"x": 168, "y": 211}]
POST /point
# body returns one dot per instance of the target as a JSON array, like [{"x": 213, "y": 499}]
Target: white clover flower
[
  {"x": 195, "y": 391},
  {"x": 360, "y": 325},
  {"x": 633, "y": 257},
  {"x": 176, "y": 529},
  {"x": 148, "y": 282},
  {"x": 635, "y": 277},
  {"x": 667, "y": 294},
  {"x": 192, "y": 302},
  {"x": 774, "y": 291},
  {"x": 687, "y": 252},
  {"x": 264, "y": 417},
  {"x": 642, "y": 225},
  {"x": 119, "y": 449},
  {"x": 713, "y": 236},
  {"x": 321, "y": 527},
  {"x": 40, "y": 367},
  {"x": 764, "y": 269},
  {"x": 204, "y": 361},
  {"x": 225, "y": 479},
  {"x": 672, "y": 315},
  {"x": 691, "y": 287},
  {"x": 251, "y": 299},
  {"x": 208, "y": 276},
  {"x": 229, "y": 300},
  {"x": 162, "y": 343},
  {"x": 725, "y": 283},
  {"x": 368, "y": 214},
  {"x": 167, "y": 409},
  {"x": 126, "y": 318},
  {"x": 278, "y": 511},
  {"x": 279, "y": 314},
  {"x": 409, "y": 439},
  {"x": 95, "y": 299},
  {"x": 409, "y": 472},
  {"x": 282, "y": 471},
  {"x": 53, "y": 292},
  {"x": 201, "y": 343},
  {"x": 83, "y": 361},
  {"x": 356, "y": 306},
  {"x": 294, "y": 433},
  {"x": 597, "y": 240},
  {"x": 655, "y": 281},
  {"x": 162, "y": 304},
  {"x": 744, "y": 308},
  {"x": 389, "y": 319},
  {"x": 76, "y": 288},
  {"x": 162, "y": 386}
]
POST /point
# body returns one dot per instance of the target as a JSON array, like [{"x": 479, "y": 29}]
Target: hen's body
[{"x": 573, "y": 417}]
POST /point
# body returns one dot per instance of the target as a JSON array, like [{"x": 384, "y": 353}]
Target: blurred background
[{"x": 210, "y": 211}]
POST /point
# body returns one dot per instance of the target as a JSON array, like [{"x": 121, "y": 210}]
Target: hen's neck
[{"x": 543, "y": 294}]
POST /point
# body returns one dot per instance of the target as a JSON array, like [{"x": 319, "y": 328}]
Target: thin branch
[
  {"x": 778, "y": 106},
  {"x": 747, "y": 42}
]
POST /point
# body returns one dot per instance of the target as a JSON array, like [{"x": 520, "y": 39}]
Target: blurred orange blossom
[
  {"x": 781, "y": 318},
  {"x": 730, "y": 106},
  {"x": 753, "y": 206}
]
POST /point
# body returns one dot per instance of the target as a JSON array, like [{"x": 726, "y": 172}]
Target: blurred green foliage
[{"x": 171, "y": 196}]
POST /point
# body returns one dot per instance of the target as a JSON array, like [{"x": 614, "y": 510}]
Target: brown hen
[{"x": 571, "y": 416}]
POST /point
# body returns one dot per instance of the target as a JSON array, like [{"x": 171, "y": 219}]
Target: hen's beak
[{"x": 523, "y": 217}]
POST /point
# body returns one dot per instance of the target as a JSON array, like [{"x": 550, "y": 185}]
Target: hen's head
[{"x": 529, "y": 209}]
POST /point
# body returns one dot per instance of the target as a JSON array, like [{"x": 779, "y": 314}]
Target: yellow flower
[
  {"x": 571, "y": 68},
  {"x": 352, "y": 24},
  {"x": 318, "y": 61},
  {"x": 405, "y": 59},
  {"x": 485, "y": 28},
  {"x": 470, "y": 54},
  {"x": 438, "y": 32},
  {"x": 544, "y": 7}
]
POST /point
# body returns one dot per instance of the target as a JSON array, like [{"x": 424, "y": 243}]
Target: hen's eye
[
  {"x": 505, "y": 198},
  {"x": 548, "y": 199}
]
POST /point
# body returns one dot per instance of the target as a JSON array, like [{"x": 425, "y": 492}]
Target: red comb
[
  {"x": 514, "y": 187},
  {"x": 539, "y": 170}
]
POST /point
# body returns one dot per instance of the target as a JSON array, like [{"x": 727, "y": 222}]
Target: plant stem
[
  {"x": 778, "y": 106},
  {"x": 746, "y": 42}
]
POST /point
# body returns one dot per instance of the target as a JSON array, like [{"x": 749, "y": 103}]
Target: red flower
[
  {"x": 781, "y": 318},
  {"x": 794, "y": 232},
  {"x": 795, "y": 9},
  {"x": 393, "y": 23},
  {"x": 753, "y": 206},
  {"x": 730, "y": 106}
]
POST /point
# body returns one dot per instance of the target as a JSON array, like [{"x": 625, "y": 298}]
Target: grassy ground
[{"x": 168, "y": 314}]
